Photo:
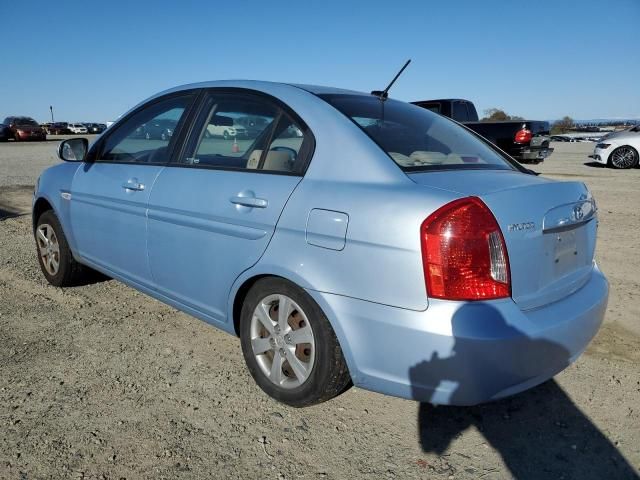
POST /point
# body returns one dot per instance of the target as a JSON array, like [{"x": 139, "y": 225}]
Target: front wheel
[
  {"x": 289, "y": 346},
  {"x": 624, "y": 157},
  {"x": 55, "y": 258}
]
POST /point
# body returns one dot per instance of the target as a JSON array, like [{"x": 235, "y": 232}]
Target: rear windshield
[
  {"x": 415, "y": 138},
  {"x": 25, "y": 121}
]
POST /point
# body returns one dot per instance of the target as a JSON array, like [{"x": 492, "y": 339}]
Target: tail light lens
[
  {"x": 464, "y": 254},
  {"x": 523, "y": 135}
]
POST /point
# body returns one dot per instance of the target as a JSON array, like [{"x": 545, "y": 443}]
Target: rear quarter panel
[{"x": 381, "y": 261}]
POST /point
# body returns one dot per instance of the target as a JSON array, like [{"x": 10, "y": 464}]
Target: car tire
[
  {"x": 163, "y": 136},
  {"x": 319, "y": 372},
  {"x": 225, "y": 135},
  {"x": 62, "y": 270},
  {"x": 147, "y": 136},
  {"x": 624, "y": 157}
]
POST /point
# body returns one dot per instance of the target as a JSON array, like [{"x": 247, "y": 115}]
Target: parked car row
[
  {"x": 21, "y": 128},
  {"x": 566, "y": 138},
  {"x": 64, "y": 128}
]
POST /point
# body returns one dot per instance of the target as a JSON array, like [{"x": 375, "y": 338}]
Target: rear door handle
[
  {"x": 252, "y": 202},
  {"x": 133, "y": 185}
]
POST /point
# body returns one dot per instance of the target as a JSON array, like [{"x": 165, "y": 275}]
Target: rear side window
[
  {"x": 416, "y": 138},
  {"x": 246, "y": 132}
]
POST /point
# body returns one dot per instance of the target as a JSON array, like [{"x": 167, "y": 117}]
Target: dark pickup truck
[{"x": 525, "y": 140}]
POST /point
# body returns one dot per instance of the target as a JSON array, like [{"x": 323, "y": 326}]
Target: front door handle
[
  {"x": 133, "y": 185},
  {"x": 252, "y": 202}
]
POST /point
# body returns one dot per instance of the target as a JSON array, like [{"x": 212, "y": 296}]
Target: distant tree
[
  {"x": 563, "y": 126},
  {"x": 497, "y": 115}
]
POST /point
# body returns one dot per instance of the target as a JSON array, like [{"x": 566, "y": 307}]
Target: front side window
[
  {"x": 416, "y": 138},
  {"x": 246, "y": 132},
  {"x": 145, "y": 136}
]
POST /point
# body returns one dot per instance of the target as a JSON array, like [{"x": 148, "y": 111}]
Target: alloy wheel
[
  {"x": 282, "y": 341},
  {"x": 49, "y": 248},
  {"x": 623, "y": 157}
]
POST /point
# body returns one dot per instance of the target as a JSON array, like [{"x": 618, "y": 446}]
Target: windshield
[{"x": 415, "y": 138}]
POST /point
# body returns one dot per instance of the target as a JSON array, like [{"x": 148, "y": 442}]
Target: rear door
[
  {"x": 214, "y": 209},
  {"x": 109, "y": 194}
]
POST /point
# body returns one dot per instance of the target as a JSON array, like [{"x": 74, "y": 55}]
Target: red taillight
[
  {"x": 523, "y": 136},
  {"x": 463, "y": 253}
]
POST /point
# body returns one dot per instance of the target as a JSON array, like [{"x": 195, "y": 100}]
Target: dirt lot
[{"x": 99, "y": 381}]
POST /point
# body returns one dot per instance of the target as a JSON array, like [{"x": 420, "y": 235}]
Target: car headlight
[{"x": 603, "y": 145}]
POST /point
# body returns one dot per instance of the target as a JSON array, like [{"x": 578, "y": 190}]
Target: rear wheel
[
  {"x": 55, "y": 258},
  {"x": 289, "y": 346},
  {"x": 624, "y": 157}
]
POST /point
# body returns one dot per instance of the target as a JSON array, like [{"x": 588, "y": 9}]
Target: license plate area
[{"x": 567, "y": 253}]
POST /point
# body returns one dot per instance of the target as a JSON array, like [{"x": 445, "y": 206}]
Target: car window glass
[
  {"x": 145, "y": 136},
  {"x": 416, "y": 138},
  {"x": 284, "y": 147},
  {"x": 460, "y": 111},
  {"x": 235, "y": 130}
]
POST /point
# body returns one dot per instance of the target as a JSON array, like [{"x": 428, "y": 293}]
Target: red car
[{"x": 24, "y": 128}]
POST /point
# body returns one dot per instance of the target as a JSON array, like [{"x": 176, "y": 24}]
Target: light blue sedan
[{"x": 347, "y": 238}]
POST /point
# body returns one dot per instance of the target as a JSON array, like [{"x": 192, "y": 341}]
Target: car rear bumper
[
  {"x": 534, "y": 154},
  {"x": 32, "y": 135},
  {"x": 463, "y": 353}
]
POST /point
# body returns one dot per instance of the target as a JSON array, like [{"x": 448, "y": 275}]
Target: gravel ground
[{"x": 100, "y": 381}]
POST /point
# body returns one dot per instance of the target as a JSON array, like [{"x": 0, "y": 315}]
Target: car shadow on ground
[
  {"x": 539, "y": 433},
  {"x": 593, "y": 164},
  {"x": 8, "y": 213}
]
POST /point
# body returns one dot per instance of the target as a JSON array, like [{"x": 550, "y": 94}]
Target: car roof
[{"x": 261, "y": 85}]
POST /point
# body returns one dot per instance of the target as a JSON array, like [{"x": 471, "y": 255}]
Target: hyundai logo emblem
[{"x": 577, "y": 212}]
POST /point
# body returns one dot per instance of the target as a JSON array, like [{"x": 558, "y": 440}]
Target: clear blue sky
[{"x": 542, "y": 59}]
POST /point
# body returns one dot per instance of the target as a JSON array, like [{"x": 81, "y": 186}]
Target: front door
[
  {"x": 109, "y": 195},
  {"x": 212, "y": 214}
]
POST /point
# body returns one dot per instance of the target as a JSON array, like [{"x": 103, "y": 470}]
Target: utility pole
[{"x": 51, "y": 108}]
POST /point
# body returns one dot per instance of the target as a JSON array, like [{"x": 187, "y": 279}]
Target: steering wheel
[{"x": 293, "y": 154}]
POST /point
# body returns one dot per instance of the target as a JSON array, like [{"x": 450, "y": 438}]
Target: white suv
[
  {"x": 226, "y": 131},
  {"x": 77, "y": 128}
]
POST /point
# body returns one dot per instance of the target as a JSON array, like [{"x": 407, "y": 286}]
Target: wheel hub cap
[
  {"x": 282, "y": 341},
  {"x": 49, "y": 248}
]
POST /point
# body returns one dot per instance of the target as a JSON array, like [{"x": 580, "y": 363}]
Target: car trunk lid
[{"x": 549, "y": 228}]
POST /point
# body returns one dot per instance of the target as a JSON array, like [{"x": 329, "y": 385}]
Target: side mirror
[{"x": 73, "y": 150}]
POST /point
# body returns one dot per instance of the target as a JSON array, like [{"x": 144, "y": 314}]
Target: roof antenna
[{"x": 382, "y": 95}]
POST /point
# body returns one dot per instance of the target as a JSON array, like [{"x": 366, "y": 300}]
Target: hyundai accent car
[{"x": 386, "y": 246}]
